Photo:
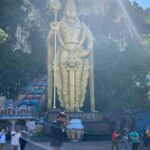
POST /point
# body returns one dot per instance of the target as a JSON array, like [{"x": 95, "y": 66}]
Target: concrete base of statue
[{"x": 95, "y": 124}]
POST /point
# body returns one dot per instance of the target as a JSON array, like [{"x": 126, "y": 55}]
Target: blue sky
[{"x": 143, "y": 3}]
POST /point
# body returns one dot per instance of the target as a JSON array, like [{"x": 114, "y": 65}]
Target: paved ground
[
  {"x": 67, "y": 146},
  {"x": 94, "y": 145}
]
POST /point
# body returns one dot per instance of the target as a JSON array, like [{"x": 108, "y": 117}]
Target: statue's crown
[{"x": 70, "y": 4}]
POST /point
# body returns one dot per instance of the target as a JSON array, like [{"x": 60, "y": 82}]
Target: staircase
[{"x": 33, "y": 96}]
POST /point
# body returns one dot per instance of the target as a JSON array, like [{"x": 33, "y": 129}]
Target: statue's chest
[{"x": 70, "y": 32}]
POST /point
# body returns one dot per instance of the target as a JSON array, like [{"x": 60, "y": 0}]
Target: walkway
[{"x": 93, "y": 145}]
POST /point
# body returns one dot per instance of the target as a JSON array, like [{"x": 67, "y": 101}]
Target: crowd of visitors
[
  {"x": 130, "y": 140},
  {"x": 17, "y": 137}
]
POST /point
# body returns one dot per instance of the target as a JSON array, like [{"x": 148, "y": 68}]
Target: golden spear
[{"x": 55, "y": 5}]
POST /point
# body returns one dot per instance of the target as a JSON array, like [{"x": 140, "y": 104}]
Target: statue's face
[{"x": 71, "y": 13}]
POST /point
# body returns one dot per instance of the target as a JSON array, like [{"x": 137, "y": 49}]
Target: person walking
[
  {"x": 125, "y": 138},
  {"x": 30, "y": 125},
  {"x": 115, "y": 136},
  {"x": 8, "y": 134},
  {"x": 57, "y": 132},
  {"x": 15, "y": 140},
  {"x": 2, "y": 138},
  {"x": 144, "y": 138},
  {"x": 148, "y": 136},
  {"x": 22, "y": 140},
  {"x": 134, "y": 137}
]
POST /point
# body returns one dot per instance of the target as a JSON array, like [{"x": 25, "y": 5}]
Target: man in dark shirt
[
  {"x": 57, "y": 131},
  {"x": 23, "y": 140}
]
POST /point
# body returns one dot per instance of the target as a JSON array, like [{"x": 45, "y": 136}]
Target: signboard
[{"x": 15, "y": 117}]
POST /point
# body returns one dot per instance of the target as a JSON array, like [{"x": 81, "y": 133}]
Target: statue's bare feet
[
  {"x": 94, "y": 111},
  {"x": 78, "y": 110},
  {"x": 67, "y": 109}
]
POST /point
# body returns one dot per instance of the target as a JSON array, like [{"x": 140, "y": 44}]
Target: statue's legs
[
  {"x": 65, "y": 86},
  {"x": 78, "y": 89}
]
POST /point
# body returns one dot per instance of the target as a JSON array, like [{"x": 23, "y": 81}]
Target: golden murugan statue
[{"x": 73, "y": 64}]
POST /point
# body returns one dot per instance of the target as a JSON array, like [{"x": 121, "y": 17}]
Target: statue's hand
[
  {"x": 54, "y": 26},
  {"x": 84, "y": 53}
]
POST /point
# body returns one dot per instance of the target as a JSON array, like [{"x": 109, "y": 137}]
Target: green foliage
[
  {"x": 120, "y": 76},
  {"x": 147, "y": 19},
  {"x": 116, "y": 74},
  {"x": 3, "y": 36},
  {"x": 17, "y": 68},
  {"x": 146, "y": 40}
]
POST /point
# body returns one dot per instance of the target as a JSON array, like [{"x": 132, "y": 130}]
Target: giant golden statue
[{"x": 70, "y": 61}]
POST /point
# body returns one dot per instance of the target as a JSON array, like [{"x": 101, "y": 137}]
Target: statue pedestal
[
  {"x": 96, "y": 125},
  {"x": 86, "y": 117},
  {"x": 52, "y": 114}
]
